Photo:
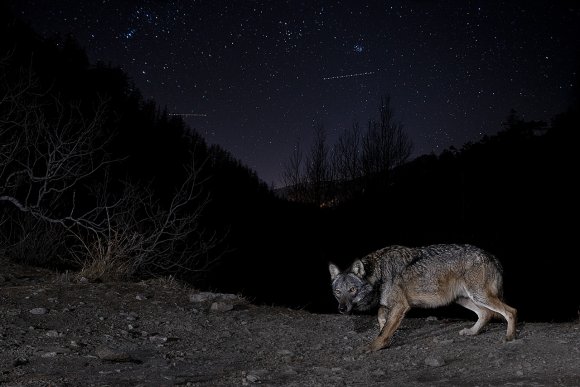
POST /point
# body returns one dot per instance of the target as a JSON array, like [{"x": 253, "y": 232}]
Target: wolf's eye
[
  {"x": 352, "y": 290},
  {"x": 337, "y": 292}
]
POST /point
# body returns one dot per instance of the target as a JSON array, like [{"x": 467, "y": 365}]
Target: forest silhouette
[{"x": 511, "y": 194}]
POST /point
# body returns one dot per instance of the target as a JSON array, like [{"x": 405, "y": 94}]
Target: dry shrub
[
  {"x": 107, "y": 259},
  {"x": 30, "y": 241},
  {"x": 146, "y": 238}
]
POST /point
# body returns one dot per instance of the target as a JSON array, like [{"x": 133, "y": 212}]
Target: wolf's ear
[
  {"x": 358, "y": 268},
  {"x": 333, "y": 271}
]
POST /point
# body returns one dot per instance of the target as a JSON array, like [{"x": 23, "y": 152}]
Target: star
[{"x": 319, "y": 60}]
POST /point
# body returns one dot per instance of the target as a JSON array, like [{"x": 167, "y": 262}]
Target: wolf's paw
[
  {"x": 375, "y": 346},
  {"x": 364, "y": 349}
]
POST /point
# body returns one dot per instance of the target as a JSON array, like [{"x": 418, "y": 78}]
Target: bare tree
[
  {"x": 146, "y": 237},
  {"x": 356, "y": 162},
  {"x": 346, "y": 164},
  {"x": 293, "y": 175},
  {"x": 44, "y": 160},
  {"x": 318, "y": 172},
  {"x": 385, "y": 146},
  {"x": 49, "y": 157},
  {"x": 346, "y": 159}
]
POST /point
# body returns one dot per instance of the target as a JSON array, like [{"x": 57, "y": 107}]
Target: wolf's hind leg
[
  {"x": 494, "y": 303},
  {"x": 483, "y": 316}
]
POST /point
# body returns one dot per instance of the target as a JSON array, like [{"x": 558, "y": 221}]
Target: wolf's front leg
[
  {"x": 382, "y": 317},
  {"x": 389, "y": 321}
]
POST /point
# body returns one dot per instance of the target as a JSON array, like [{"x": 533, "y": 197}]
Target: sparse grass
[
  {"x": 168, "y": 282},
  {"x": 63, "y": 278},
  {"x": 106, "y": 260}
]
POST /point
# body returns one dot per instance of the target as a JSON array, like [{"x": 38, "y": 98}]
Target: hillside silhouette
[{"x": 510, "y": 193}]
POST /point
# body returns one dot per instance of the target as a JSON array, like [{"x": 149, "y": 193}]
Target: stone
[
  {"x": 108, "y": 354},
  {"x": 20, "y": 361},
  {"x": 221, "y": 307},
  {"x": 433, "y": 361}
]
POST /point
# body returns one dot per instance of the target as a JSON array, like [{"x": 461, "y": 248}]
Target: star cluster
[{"x": 253, "y": 75}]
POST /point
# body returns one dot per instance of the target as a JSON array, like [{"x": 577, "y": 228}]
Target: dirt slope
[{"x": 159, "y": 334}]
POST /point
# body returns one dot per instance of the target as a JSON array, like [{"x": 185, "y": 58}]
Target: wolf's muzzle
[{"x": 343, "y": 309}]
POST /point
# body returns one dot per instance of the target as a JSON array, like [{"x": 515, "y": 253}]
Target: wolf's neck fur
[{"x": 387, "y": 263}]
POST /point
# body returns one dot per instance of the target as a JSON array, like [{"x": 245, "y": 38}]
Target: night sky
[{"x": 255, "y": 75}]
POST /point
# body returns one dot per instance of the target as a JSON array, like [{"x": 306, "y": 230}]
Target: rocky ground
[{"x": 59, "y": 332}]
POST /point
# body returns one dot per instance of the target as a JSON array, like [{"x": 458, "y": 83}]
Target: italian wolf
[{"x": 397, "y": 278}]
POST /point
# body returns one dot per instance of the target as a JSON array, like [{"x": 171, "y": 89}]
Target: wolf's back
[{"x": 464, "y": 261}]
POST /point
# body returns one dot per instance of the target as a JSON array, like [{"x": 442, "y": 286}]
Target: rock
[
  {"x": 220, "y": 302},
  {"x": 53, "y": 333},
  {"x": 56, "y": 350},
  {"x": 431, "y": 318},
  {"x": 140, "y": 297},
  {"x": 48, "y": 354},
  {"x": 39, "y": 311},
  {"x": 255, "y": 376},
  {"x": 202, "y": 297},
  {"x": 208, "y": 296},
  {"x": 158, "y": 339},
  {"x": 221, "y": 307},
  {"x": 289, "y": 371},
  {"x": 131, "y": 316},
  {"x": 20, "y": 361},
  {"x": 433, "y": 361}
]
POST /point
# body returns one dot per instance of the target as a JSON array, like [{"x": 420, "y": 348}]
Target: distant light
[{"x": 189, "y": 114}]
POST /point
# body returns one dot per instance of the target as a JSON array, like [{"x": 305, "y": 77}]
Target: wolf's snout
[{"x": 343, "y": 309}]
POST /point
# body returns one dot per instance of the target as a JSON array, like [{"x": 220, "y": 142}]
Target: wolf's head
[{"x": 351, "y": 289}]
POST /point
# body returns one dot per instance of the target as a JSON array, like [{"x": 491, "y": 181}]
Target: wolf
[{"x": 397, "y": 278}]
